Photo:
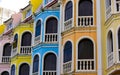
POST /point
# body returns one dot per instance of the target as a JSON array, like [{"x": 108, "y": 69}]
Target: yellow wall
[
  {"x": 35, "y": 4},
  {"x": 19, "y": 59},
  {"x": 2, "y": 28}
]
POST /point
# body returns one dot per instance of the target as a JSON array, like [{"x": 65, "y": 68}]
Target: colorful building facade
[
  {"x": 45, "y": 51},
  {"x": 110, "y": 37}
]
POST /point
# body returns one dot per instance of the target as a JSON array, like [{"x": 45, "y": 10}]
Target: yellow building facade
[
  {"x": 110, "y": 37},
  {"x": 79, "y": 32},
  {"x": 22, "y": 44}
]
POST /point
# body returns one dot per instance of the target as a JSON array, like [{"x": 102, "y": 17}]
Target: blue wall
[{"x": 43, "y": 48}]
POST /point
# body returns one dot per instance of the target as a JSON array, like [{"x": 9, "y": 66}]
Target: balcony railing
[
  {"x": 110, "y": 59},
  {"x": 25, "y": 50},
  {"x": 51, "y": 38},
  {"x": 49, "y": 73},
  {"x": 14, "y": 52},
  {"x": 86, "y": 65},
  {"x": 85, "y": 21},
  {"x": 37, "y": 40},
  {"x": 68, "y": 24},
  {"x": 36, "y": 73},
  {"x": 5, "y": 59},
  {"x": 108, "y": 12},
  {"x": 67, "y": 67}
]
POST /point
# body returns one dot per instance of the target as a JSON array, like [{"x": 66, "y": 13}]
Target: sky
[{"x": 14, "y": 5}]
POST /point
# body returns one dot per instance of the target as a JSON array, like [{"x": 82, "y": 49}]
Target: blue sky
[{"x": 14, "y": 5}]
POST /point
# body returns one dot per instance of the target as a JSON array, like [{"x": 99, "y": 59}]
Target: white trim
[
  {"x": 72, "y": 68},
  {"x": 38, "y": 64},
  {"x": 44, "y": 57},
  {"x": 99, "y": 39},
  {"x": 94, "y": 44}
]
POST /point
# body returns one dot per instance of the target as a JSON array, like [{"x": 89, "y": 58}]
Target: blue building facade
[{"x": 45, "y": 52}]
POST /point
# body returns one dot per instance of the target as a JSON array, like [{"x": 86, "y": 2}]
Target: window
[
  {"x": 86, "y": 55},
  {"x": 29, "y": 12},
  {"x": 24, "y": 69},
  {"x": 85, "y": 49},
  {"x": 26, "y": 39},
  {"x": 68, "y": 10},
  {"x": 5, "y": 73},
  {"x": 7, "y": 50},
  {"x": 118, "y": 5},
  {"x": 13, "y": 70},
  {"x": 67, "y": 52},
  {"x": 47, "y": 1},
  {"x": 15, "y": 41},
  {"x": 35, "y": 63},
  {"x": 110, "y": 48},
  {"x": 38, "y": 28},
  {"x": 85, "y": 8},
  {"x": 51, "y": 25},
  {"x": 108, "y": 3},
  {"x": 50, "y": 62},
  {"x": 9, "y": 26}
]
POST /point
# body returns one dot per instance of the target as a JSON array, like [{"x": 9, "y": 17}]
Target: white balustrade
[
  {"x": 85, "y": 21},
  {"x": 49, "y": 73},
  {"x": 36, "y": 73},
  {"x": 25, "y": 50},
  {"x": 86, "y": 65},
  {"x": 67, "y": 67},
  {"x": 68, "y": 24},
  {"x": 5, "y": 59},
  {"x": 110, "y": 59},
  {"x": 37, "y": 40},
  {"x": 14, "y": 52},
  {"x": 108, "y": 12},
  {"x": 51, "y": 37}
]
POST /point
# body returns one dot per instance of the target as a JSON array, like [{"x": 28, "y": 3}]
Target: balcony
[
  {"x": 49, "y": 73},
  {"x": 108, "y": 12},
  {"x": 5, "y": 59},
  {"x": 14, "y": 52},
  {"x": 86, "y": 65},
  {"x": 25, "y": 50},
  {"x": 51, "y": 38},
  {"x": 68, "y": 24},
  {"x": 85, "y": 21},
  {"x": 67, "y": 67},
  {"x": 110, "y": 59},
  {"x": 36, "y": 73},
  {"x": 37, "y": 40}
]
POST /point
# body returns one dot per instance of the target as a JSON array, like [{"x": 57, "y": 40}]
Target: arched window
[
  {"x": 51, "y": 25},
  {"x": 13, "y": 70},
  {"x": 15, "y": 41},
  {"x": 67, "y": 52},
  {"x": 68, "y": 10},
  {"x": 5, "y": 73},
  {"x": 85, "y": 8},
  {"x": 38, "y": 28},
  {"x": 35, "y": 64},
  {"x": 85, "y": 49},
  {"x": 24, "y": 69},
  {"x": 26, "y": 39},
  {"x": 50, "y": 62},
  {"x": 7, "y": 50},
  {"x": 119, "y": 38},
  {"x": 110, "y": 42}
]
